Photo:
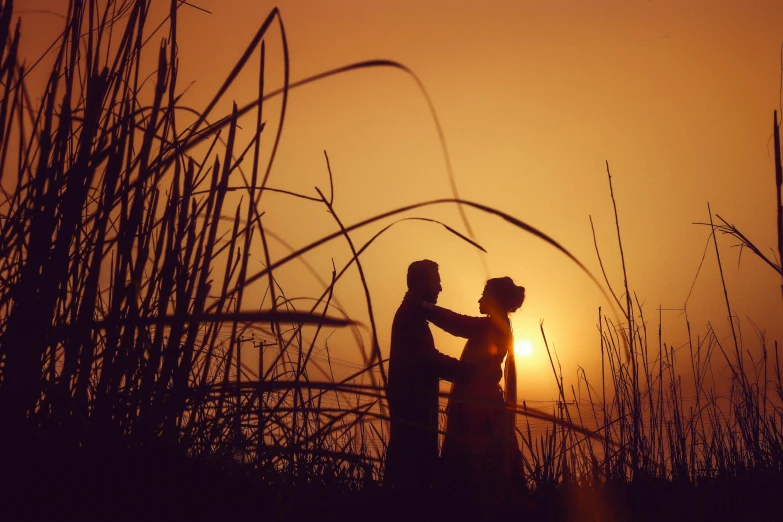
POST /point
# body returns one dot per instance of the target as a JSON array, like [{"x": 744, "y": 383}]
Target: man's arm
[{"x": 449, "y": 368}]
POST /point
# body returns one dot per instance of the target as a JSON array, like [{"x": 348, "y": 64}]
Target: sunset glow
[
  {"x": 652, "y": 77},
  {"x": 456, "y": 258},
  {"x": 523, "y": 348}
]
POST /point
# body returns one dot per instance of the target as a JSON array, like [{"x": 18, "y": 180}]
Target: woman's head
[{"x": 501, "y": 294}]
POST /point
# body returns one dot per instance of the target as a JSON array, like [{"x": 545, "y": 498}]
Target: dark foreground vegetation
[{"x": 136, "y": 385}]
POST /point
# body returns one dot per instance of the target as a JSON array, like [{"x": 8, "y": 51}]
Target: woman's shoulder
[{"x": 502, "y": 322}]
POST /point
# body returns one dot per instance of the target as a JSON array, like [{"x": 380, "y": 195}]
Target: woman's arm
[{"x": 454, "y": 323}]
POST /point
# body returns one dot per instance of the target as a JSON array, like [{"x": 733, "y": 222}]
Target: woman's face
[{"x": 487, "y": 303}]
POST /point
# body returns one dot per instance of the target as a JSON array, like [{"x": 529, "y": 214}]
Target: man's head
[{"x": 424, "y": 280}]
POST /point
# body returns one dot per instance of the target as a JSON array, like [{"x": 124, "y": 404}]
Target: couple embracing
[{"x": 480, "y": 455}]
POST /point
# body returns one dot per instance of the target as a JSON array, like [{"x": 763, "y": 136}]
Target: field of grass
[{"x": 136, "y": 382}]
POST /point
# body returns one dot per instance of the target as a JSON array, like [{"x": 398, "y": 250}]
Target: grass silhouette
[{"x": 126, "y": 388}]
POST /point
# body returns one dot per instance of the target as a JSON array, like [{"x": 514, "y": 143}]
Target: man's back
[
  {"x": 412, "y": 380},
  {"x": 414, "y": 369}
]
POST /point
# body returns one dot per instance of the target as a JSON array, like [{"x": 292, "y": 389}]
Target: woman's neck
[{"x": 499, "y": 316}]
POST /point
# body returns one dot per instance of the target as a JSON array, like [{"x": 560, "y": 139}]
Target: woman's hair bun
[{"x": 507, "y": 294}]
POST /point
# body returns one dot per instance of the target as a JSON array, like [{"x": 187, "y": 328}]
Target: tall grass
[
  {"x": 125, "y": 322},
  {"x": 714, "y": 451},
  {"x": 122, "y": 302}
]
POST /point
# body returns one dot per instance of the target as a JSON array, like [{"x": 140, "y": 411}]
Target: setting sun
[{"x": 523, "y": 347}]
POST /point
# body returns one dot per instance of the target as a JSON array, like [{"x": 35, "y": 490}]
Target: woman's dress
[{"x": 480, "y": 453}]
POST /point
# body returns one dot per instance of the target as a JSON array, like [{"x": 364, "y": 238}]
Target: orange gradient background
[{"x": 533, "y": 98}]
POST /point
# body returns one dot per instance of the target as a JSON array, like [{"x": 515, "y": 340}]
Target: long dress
[{"x": 480, "y": 453}]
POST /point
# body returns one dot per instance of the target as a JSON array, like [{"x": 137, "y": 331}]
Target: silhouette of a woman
[{"x": 480, "y": 452}]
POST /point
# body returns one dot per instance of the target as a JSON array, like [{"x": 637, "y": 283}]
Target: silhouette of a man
[{"x": 414, "y": 369}]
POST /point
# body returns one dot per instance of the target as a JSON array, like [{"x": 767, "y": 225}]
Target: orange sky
[{"x": 533, "y": 97}]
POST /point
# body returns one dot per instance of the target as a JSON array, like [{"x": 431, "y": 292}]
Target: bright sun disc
[{"x": 523, "y": 347}]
